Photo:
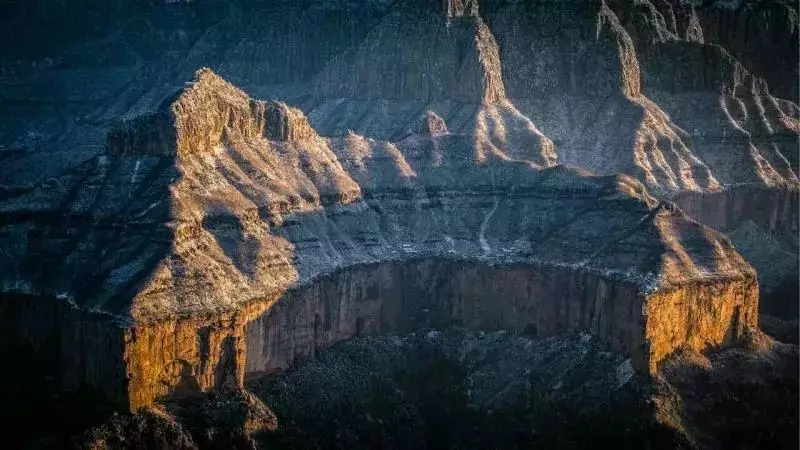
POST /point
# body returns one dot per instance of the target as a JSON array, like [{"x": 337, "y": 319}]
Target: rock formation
[
  {"x": 537, "y": 165},
  {"x": 221, "y": 236},
  {"x": 747, "y": 136}
]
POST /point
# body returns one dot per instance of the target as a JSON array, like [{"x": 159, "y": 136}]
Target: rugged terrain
[
  {"x": 221, "y": 236},
  {"x": 660, "y": 90},
  {"x": 627, "y": 169}
]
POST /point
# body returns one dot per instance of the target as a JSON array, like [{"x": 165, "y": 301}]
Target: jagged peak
[
  {"x": 206, "y": 79},
  {"x": 694, "y": 32},
  {"x": 207, "y": 111}
]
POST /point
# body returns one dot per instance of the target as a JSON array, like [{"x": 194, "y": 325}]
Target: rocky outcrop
[
  {"x": 150, "y": 428},
  {"x": 693, "y": 395},
  {"x": 230, "y": 418},
  {"x": 204, "y": 114},
  {"x": 683, "y": 317},
  {"x": 431, "y": 125}
]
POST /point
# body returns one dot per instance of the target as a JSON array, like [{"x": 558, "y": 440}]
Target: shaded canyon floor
[{"x": 457, "y": 388}]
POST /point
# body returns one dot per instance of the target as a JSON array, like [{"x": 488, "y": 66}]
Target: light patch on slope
[
  {"x": 482, "y": 235},
  {"x": 624, "y": 373}
]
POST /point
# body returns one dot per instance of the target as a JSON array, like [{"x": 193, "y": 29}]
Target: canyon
[
  {"x": 612, "y": 167},
  {"x": 242, "y": 214}
]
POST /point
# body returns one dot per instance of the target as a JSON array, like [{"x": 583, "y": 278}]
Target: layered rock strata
[
  {"x": 221, "y": 236},
  {"x": 664, "y": 91}
]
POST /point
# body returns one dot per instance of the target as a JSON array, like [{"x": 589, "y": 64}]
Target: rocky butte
[
  {"x": 222, "y": 237},
  {"x": 626, "y": 168}
]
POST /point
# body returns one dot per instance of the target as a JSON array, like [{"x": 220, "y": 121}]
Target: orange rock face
[
  {"x": 700, "y": 316},
  {"x": 185, "y": 355}
]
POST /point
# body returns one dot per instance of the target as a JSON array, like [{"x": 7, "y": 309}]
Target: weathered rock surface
[
  {"x": 586, "y": 83},
  {"x": 150, "y": 428},
  {"x": 747, "y": 136},
  {"x": 230, "y": 418},
  {"x": 223, "y": 236}
]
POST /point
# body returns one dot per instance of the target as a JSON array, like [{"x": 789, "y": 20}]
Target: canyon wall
[
  {"x": 773, "y": 210},
  {"x": 763, "y": 35},
  {"x": 201, "y": 353},
  {"x": 226, "y": 237},
  {"x": 541, "y": 301},
  {"x": 763, "y": 225},
  {"x": 699, "y": 316},
  {"x": 185, "y": 356},
  {"x": 136, "y": 366},
  {"x": 401, "y": 297}
]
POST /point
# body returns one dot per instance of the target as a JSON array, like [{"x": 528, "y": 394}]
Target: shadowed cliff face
[
  {"x": 746, "y": 135},
  {"x": 762, "y": 35}
]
